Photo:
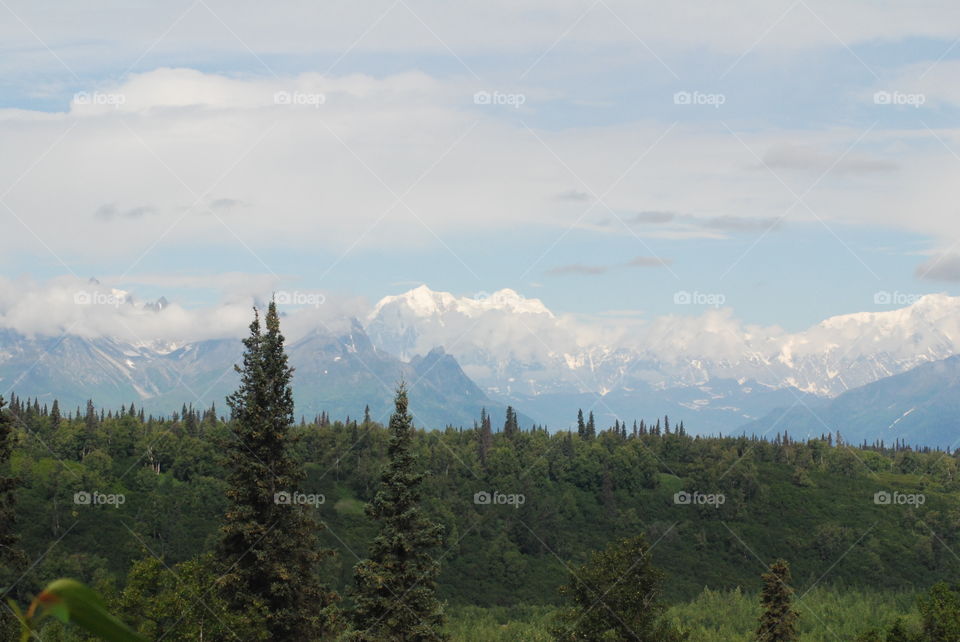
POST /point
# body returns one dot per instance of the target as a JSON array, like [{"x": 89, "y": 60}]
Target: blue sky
[{"x": 149, "y": 145}]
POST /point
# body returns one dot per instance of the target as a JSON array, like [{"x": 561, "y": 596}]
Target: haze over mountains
[{"x": 461, "y": 354}]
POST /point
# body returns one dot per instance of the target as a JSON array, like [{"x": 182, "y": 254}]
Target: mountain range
[
  {"x": 461, "y": 354},
  {"x": 339, "y": 373},
  {"x": 712, "y": 371}
]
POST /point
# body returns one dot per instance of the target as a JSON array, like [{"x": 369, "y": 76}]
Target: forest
[{"x": 506, "y": 533}]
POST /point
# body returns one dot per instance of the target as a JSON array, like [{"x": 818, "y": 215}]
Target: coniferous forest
[{"x": 242, "y": 521}]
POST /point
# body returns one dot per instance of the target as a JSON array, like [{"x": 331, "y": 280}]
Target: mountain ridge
[{"x": 339, "y": 374}]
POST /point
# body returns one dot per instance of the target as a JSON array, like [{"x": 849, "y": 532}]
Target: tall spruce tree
[
  {"x": 581, "y": 426},
  {"x": 268, "y": 547},
  {"x": 779, "y": 620},
  {"x": 396, "y": 588}
]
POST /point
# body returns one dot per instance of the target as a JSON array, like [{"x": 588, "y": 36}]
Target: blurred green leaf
[{"x": 70, "y": 601}]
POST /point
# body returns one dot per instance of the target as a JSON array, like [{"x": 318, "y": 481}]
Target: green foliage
[
  {"x": 396, "y": 587},
  {"x": 940, "y": 610},
  {"x": 828, "y": 614},
  {"x": 181, "y": 603},
  {"x": 72, "y": 602},
  {"x": 501, "y": 624},
  {"x": 616, "y": 596},
  {"x": 11, "y": 558}
]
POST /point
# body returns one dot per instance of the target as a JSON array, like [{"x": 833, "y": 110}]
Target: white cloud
[
  {"x": 89, "y": 308},
  {"x": 202, "y": 158}
]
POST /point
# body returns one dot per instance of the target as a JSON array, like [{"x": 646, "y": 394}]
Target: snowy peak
[
  {"x": 509, "y": 344},
  {"x": 424, "y": 302},
  {"x": 420, "y": 301},
  {"x": 928, "y": 309}
]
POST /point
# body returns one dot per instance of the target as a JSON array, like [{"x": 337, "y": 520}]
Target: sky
[{"x": 788, "y": 160}]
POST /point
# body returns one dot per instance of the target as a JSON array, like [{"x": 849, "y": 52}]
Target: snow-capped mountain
[
  {"x": 516, "y": 346},
  {"x": 495, "y": 337}
]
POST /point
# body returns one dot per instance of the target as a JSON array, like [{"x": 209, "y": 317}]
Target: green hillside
[{"x": 811, "y": 503}]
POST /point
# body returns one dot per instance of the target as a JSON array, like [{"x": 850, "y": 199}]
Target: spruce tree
[
  {"x": 510, "y": 425},
  {"x": 55, "y": 414},
  {"x": 591, "y": 427},
  {"x": 485, "y": 439},
  {"x": 268, "y": 548},
  {"x": 88, "y": 434},
  {"x": 779, "y": 620},
  {"x": 396, "y": 588},
  {"x": 581, "y": 426}
]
